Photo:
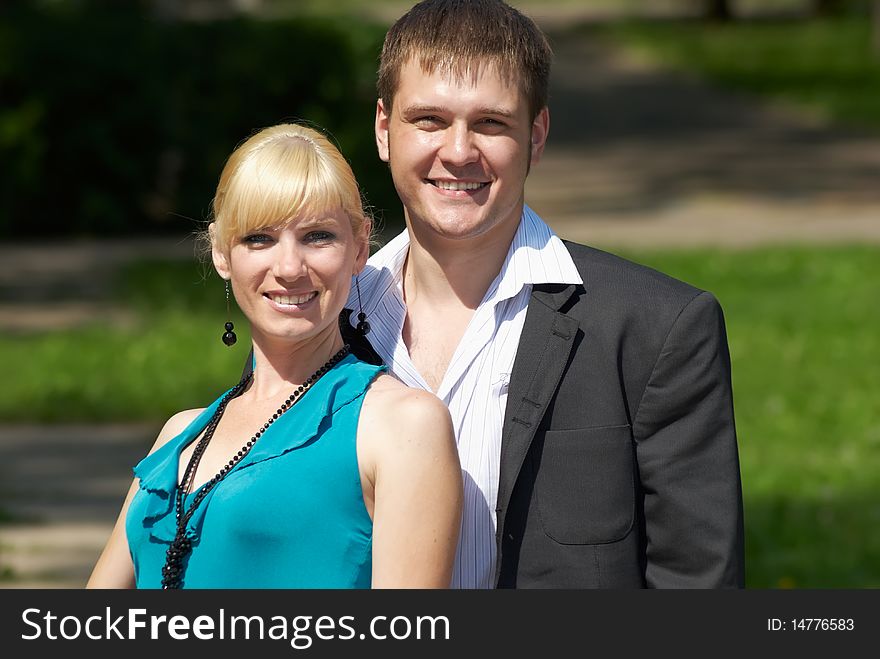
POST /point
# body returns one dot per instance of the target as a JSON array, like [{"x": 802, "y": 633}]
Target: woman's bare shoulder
[
  {"x": 175, "y": 425},
  {"x": 394, "y": 402},
  {"x": 403, "y": 426}
]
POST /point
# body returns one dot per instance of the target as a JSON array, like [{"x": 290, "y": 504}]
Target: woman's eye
[
  {"x": 256, "y": 239},
  {"x": 319, "y": 237}
]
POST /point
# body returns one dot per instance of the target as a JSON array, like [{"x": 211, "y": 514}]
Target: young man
[{"x": 590, "y": 396}]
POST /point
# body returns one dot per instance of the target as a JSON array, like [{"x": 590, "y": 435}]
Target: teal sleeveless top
[{"x": 290, "y": 514}]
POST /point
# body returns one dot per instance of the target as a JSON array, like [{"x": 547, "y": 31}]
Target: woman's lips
[{"x": 288, "y": 302}]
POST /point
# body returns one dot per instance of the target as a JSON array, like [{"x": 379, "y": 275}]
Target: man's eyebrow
[
  {"x": 437, "y": 109},
  {"x": 417, "y": 109},
  {"x": 500, "y": 112}
]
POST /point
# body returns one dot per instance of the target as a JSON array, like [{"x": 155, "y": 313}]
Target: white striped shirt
[{"x": 474, "y": 386}]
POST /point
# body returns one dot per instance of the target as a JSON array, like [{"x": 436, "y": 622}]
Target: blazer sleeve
[{"x": 687, "y": 457}]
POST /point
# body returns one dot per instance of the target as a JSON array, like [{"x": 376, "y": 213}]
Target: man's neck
[
  {"x": 444, "y": 282},
  {"x": 454, "y": 272}
]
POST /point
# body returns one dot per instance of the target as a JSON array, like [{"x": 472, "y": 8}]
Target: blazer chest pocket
[{"x": 584, "y": 484}]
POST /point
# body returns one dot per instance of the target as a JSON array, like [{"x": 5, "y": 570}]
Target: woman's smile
[{"x": 291, "y": 302}]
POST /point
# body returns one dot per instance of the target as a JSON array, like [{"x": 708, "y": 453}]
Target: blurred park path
[
  {"x": 61, "y": 284},
  {"x": 637, "y": 157},
  {"x": 640, "y": 156},
  {"x": 63, "y": 486}
]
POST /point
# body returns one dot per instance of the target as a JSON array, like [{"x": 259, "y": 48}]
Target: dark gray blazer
[{"x": 619, "y": 465}]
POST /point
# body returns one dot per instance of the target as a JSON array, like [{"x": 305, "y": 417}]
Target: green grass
[
  {"x": 170, "y": 357},
  {"x": 824, "y": 65},
  {"x": 804, "y": 333}
]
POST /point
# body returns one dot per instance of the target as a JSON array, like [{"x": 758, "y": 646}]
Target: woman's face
[{"x": 291, "y": 283}]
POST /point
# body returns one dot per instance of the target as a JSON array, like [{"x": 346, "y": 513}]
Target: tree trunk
[
  {"x": 717, "y": 10},
  {"x": 828, "y": 7}
]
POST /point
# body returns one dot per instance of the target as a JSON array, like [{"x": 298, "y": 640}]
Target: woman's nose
[{"x": 289, "y": 260}]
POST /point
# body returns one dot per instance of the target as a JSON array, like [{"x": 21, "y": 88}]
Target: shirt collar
[{"x": 536, "y": 256}]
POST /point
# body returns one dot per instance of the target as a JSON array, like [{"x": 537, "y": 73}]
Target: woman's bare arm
[
  {"x": 409, "y": 451},
  {"x": 114, "y": 568}
]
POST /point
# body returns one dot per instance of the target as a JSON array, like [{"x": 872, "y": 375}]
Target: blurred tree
[
  {"x": 875, "y": 41},
  {"x": 202, "y": 9},
  {"x": 115, "y": 120},
  {"x": 825, "y": 8},
  {"x": 829, "y": 7},
  {"x": 717, "y": 10}
]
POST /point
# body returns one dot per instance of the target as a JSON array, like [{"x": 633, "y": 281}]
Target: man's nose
[{"x": 459, "y": 147}]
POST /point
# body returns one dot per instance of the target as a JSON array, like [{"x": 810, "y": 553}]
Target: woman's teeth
[{"x": 293, "y": 299}]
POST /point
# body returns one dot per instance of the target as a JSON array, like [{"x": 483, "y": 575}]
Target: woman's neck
[{"x": 282, "y": 365}]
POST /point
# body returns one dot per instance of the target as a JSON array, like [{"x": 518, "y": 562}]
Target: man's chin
[{"x": 460, "y": 230}]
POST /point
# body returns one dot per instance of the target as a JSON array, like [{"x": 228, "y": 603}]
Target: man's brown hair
[{"x": 457, "y": 37}]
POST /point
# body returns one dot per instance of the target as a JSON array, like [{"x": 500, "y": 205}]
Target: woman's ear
[
  {"x": 363, "y": 247},
  {"x": 218, "y": 256}
]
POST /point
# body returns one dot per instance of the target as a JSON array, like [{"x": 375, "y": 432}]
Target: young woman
[{"x": 317, "y": 470}]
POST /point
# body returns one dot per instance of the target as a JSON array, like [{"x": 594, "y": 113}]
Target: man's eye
[
  {"x": 427, "y": 120},
  {"x": 493, "y": 124}
]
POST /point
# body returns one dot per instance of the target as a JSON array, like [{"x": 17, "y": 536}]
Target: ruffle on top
[{"x": 302, "y": 423}]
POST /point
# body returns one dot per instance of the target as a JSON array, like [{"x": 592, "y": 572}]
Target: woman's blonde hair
[{"x": 278, "y": 174}]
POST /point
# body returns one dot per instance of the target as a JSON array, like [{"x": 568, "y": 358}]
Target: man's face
[{"x": 459, "y": 151}]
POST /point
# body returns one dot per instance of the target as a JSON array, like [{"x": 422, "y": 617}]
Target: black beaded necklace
[{"x": 172, "y": 571}]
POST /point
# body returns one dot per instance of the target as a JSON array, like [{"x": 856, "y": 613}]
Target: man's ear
[
  {"x": 382, "y": 120},
  {"x": 221, "y": 262},
  {"x": 540, "y": 131}
]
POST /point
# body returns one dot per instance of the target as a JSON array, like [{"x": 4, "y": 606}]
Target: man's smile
[{"x": 458, "y": 185}]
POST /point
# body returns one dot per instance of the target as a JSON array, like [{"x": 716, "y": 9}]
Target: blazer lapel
[{"x": 544, "y": 348}]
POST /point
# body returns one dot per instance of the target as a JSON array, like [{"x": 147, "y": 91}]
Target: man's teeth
[
  {"x": 293, "y": 299},
  {"x": 458, "y": 185}
]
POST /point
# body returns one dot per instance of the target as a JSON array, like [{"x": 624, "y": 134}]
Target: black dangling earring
[
  {"x": 363, "y": 326},
  {"x": 229, "y": 337}
]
